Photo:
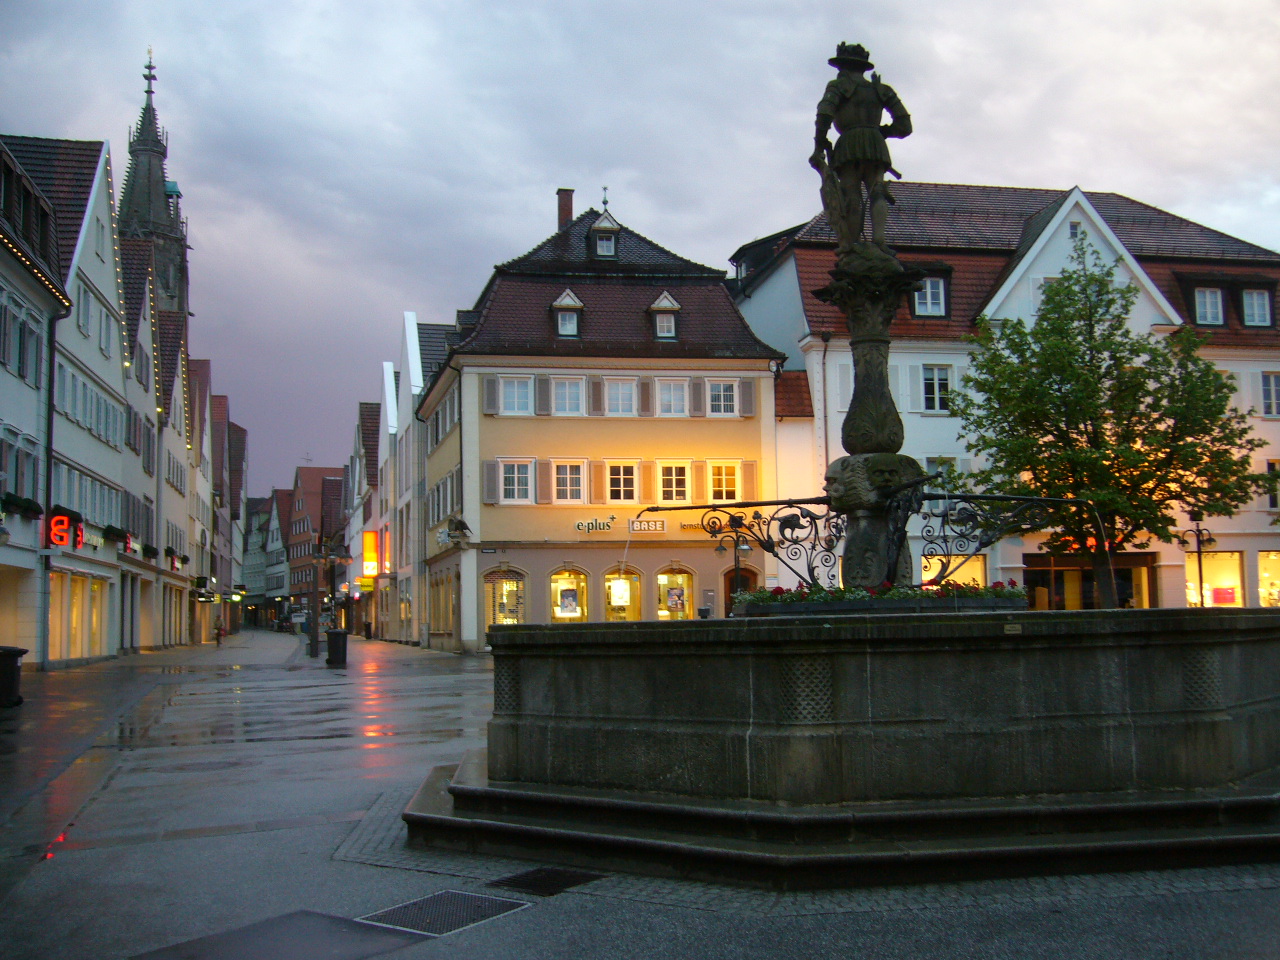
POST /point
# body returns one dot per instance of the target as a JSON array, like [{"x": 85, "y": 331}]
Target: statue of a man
[{"x": 860, "y": 157}]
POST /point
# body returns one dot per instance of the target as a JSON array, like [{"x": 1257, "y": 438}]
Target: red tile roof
[{"x": 791, "y": 394}]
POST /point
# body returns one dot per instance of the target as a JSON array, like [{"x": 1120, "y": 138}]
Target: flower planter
[{"x": 822, "y": 608}]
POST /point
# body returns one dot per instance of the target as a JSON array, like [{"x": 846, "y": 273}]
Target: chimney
[{"x": 565, "y": 197}]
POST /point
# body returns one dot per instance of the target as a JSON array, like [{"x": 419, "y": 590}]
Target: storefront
[
  {"x": 1223, "y": 581},
  {"x": 1067, "y": 582},
  {"x": 591, "y": 584}
]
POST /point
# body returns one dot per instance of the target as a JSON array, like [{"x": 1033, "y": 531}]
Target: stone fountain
[{"x": 833, "y": 749}]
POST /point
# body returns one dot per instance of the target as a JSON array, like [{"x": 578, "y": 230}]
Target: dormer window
[
  {"x": 664, "y": 310},
  {"x": 567, "y": 311},
  {"x": 603, "y": 236}
]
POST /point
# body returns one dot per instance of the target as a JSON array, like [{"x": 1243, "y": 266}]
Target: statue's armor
[{"x": 855, "y": 105}]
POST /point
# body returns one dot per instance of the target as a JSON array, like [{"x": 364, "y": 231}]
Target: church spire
[
  {"x": 149, "y": 203},
  {"x": 145, "y": 207}
]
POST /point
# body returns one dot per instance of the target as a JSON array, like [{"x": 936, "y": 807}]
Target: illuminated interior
[
  {"x": 569, "y": 596},
  {"x": 675, "y": 594},
  {"x": 1223, "y": 579},
  {"x": 622, "y": 595}
]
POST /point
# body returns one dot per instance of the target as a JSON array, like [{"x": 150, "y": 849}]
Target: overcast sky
[{"x": 342, "y": 162}]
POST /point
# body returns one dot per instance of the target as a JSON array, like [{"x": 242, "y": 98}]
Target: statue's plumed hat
[{"x": 851, "y": 55}]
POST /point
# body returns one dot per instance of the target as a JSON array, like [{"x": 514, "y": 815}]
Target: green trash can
[
  {"x": 10, "y": 676},
  {"x": 337, "y": 648}
]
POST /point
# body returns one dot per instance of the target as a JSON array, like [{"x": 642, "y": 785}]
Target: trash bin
[
  {"x": 313, "y": 646},
  {"x": 368, "y": 630},
  {"x": 10, "y": 676},
  {"x": 337, "y": 648}
]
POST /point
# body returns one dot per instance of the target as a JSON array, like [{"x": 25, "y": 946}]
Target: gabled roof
[
  {"x": 947, "y": 215},
  {"x": 370, "y": 431},
  {"x": 615, "y": 321},
  {"x": 199, "y": 379},
  {"x": 284, "y": 509},
  {"x": 237, "y": 450},
  {"x": 434, "y": 341},
  {"x": 65, "y": 171},
  {"x": 568, "y": 253},
  {"x": 135, "y": 267},
  {"x": 172, "y": 330},
  {"x": 33, "y": 240}
]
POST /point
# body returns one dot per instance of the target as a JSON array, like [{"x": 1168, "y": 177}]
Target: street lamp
[
  {"x": 1203, "y": 539},
  {"x": 741, "y": 548},
  {"x": 331, "y": 557}
]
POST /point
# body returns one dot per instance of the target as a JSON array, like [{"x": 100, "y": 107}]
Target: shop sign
[
  {"x": 596, "y": 525},
  {"x": 369, "y": 549},
  {"x": 692, "y": 526},
  {"x": 647, "y": 526},
  {"x": 66, "y": 531}
]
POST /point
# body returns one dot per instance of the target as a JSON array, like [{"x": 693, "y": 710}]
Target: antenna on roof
[
  {"x": 606, "y": 198},
  {"x": 306, "y": 457}
]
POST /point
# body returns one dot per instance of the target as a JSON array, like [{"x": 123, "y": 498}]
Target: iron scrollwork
[
  {"x": 804, "y": 535},
  {"x": 957, "y": 527}
]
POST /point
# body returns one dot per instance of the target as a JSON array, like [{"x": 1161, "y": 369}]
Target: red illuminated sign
[{"x": 64, "y": 531}]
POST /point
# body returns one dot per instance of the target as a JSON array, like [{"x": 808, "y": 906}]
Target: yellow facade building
[{"x": 597, "y": 375}]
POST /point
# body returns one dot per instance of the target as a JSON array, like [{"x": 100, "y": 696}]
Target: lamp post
[
  {"x": 330, "y": 557},
  {"x": 1203, "y": 539},
  {"x": 741, "y": 548}
]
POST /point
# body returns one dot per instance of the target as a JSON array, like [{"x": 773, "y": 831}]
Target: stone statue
[
  {"x": 875, "y": 487},
  {"x": 876, "y": 493},
  {"x": 860, "y": 158}
]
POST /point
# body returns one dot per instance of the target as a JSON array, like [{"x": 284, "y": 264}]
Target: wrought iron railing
[{"x": 805, "y": 535}]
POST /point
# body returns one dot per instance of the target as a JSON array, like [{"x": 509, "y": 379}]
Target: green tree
[{"x": 1078, "y": 406}]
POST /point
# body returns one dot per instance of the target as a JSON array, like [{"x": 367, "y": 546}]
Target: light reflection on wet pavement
[{"x": 190, "y": 741}]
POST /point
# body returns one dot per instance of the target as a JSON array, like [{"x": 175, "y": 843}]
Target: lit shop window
[
  {"x": 569, "y": 595},
  {"x": 622, "y": 595},
  {"x": 972, "y": 572},
  {"x": 1269, "y": 578},
  {"x": 1223, "y": 584},
  {"x": 503, "y": 597},
  {"x": 675, "y": 594}
]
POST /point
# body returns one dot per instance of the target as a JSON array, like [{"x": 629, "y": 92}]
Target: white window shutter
[
  {"x": 490, "y": 384},
  {"x": 748, "y": 489},
  {"x": 595, "y": 397},
  {"x": 893, "y": 385},
  {"x": 915, "y": 385},
  {"x": 844, "y": 386},
  {"x": 747, "y": 398}
]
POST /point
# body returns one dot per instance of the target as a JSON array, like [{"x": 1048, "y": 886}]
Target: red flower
[
  {"x": 778, "y": 591},
  {"x": 1012, "y": 582}
]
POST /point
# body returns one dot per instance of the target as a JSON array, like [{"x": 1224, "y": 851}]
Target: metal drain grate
[
  {"x": 545, "y": 881},
  {"x": 445, "y": 912}
]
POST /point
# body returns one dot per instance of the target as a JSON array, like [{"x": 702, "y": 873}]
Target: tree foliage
[{"x": 1078, "y": 406}]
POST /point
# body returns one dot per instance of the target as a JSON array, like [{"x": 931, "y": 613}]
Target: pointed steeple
[
  {"x": 149, "y": 202},
  {"x": 146, "y": 207}
]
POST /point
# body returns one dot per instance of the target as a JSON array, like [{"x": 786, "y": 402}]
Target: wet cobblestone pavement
[{"x": 157, "y": 799}]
